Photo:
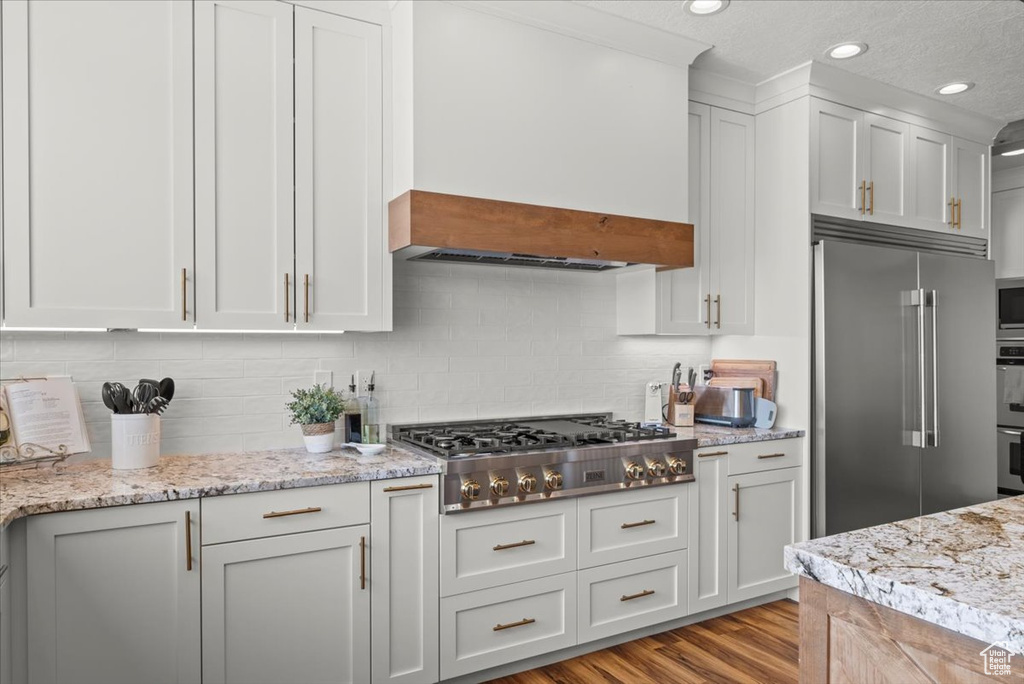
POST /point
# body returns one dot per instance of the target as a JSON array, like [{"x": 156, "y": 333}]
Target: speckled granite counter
[
  {"x": 960, "y": 569},
  {"x": 94, "y": 484},
  {"x": 717, "y": 435}
]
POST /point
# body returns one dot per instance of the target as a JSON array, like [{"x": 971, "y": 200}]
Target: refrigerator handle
[
  {"x": 920, "y": 296},
  {"x": 933, "y": 302}
]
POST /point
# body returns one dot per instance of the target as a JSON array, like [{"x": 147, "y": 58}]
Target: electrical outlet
[
  {"x": 363, "y": 382},
  {"x": 702, "y": 373},
  {"x": 323, "y": 378}
]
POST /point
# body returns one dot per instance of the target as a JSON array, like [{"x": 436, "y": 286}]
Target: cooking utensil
[
  {"x": 167, "y": 389},
  {"x": 677, "y": 376},
  {"x": 144, "y": 393},
  {"x": 691, "y": 378},
  {"x": 122, "y": 397},
  {"x": 107, "y": 392},
  {"x": 157, "y": 405}
]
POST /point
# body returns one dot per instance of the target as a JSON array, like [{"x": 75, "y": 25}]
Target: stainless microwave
[{"x": 1010, "y": 307}]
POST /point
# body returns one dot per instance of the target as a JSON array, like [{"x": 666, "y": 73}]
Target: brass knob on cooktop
[
  {"x": 527, "y": 483},
  {"x": 657, "y": 469},
  {"x": 470, "y": 489},
  {"x": 634, "y": 471},
  {"x": 553, "y": 479},
  {"x": 677, "y": 466},
  {"x": 499, "y": 486}
]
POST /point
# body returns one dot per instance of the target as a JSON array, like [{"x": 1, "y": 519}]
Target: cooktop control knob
[
  {"x": 656, "y": 469},
  {"x": 553, "y": 479},
  {"x": 634, "y": 471},
  {"x": 470, "y": 490},
  {"x": 499, "y": 486},
  {"x": 677, "y": 466},
  {"x": 527, "y": 483}
]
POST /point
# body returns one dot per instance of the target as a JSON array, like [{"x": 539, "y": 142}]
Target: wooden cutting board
[
  {"x": 755, "y": 383},
  {"x": 739, "y": 368}
]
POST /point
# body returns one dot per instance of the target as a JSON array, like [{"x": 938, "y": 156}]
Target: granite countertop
[
  {"x": 717, "y": 435},
  {"x": 94, "y": 484},
  {"x": 959, "y": 569}
]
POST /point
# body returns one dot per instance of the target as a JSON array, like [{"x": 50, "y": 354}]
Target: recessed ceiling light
[
  {"x": 954, "y": 88},
  {"x": 1013, "y": 153},
  {"x": 705, "y": 7},
  {"x": 846, "y": 50}
]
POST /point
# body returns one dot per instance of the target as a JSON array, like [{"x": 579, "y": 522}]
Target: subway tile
[
  {"x": 328, "y": 346},
  {"x": 450, "y": 412},
  {"x": 242, "y": 349},
  {"x": 220, "y": 368},
  {"x": 450, "y": 348},
  {"x": 261, "y": 368},
  {"x": 531, "y": 393},
  {"x": 74, "y": 349},
  {"x": 240, "y": 387},
  {"x": 177, "y": 347},
  {"x": 478, "y": 332},
  {"x": 32, "y": 369},
  {"x": 477, "y": 363},
  {"x": 422, "y": 364},
  {"x": 217, "y": 406},
  {"x": 419, "y": 332},
  {"x": 263, "y": 441},
  {"x": 448, "y": 284},
  {"x": 531, "y": 363},
  {"x": 420, "y": 299},
  {"x": 448, "y": 380},
  {"x": 202, "y": 444}
]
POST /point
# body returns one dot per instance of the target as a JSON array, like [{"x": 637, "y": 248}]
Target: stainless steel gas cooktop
[{"x": 526, "y": 460}]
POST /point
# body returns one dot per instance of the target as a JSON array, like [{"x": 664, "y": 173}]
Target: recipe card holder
[{"x": 28, "y": 456}]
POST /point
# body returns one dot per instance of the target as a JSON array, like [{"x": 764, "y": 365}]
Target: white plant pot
[
  {"x": 319, "y": 438},
  {"x": 134, "y": 440}
]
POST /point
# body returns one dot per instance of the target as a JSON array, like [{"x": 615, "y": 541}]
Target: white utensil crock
[{"x": 134, "y": 440}]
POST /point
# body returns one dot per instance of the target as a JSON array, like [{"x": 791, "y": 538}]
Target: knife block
[{"x": 679, "y": 414}]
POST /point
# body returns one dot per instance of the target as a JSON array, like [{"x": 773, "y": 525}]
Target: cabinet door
[
  {"x": 114, "y": 595},
  {"x": 971, "y": 186},
  {"x": 245, "y": 237},
  {"x": 708, "y": 511},
  {"x": 764, "y": 518},
  {"x": 732, "y": 222},
  {"x": 1008, "y": 233},
  {"x": 287, "y": 609},
  {"x": 930, "y": 179},
  {"x": 837, "y": 165},
  {"x": 97, "y": 156},
  {"x": 684, "y": 293},
  {"x": 339, "y": 174},
  {"x": 405, "y": 580},
  {"x": 886, "y": 150}
]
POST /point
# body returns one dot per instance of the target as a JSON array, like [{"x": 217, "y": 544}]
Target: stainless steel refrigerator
[{"x": 904, "y": 380}]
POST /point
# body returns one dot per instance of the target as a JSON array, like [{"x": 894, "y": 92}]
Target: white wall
[{"x": 469, "y": 341}]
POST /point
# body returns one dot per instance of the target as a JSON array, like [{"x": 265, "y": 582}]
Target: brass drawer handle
[
  {"x": 863, "y": 196},
  {"x": 871, "y": 207},
  {"x": 627, "y": 526},
  {"x": 712, "y": 453},
  {"x": 960, "y": 214},
  {"x": 645, "y": 592},
  {"x": 297, "y": 511},
  {"x": 405, "y": 488},
  {"x": 188, "y": 541},
  {"x": 770, "y": 455},
  {"x": 736, "y": 513},
  {"x": 525, "y": 542},
  {"x": 718, "y": 314},
  {"x": 707, "y": 319},
  {"x": 525, "y": 621}
]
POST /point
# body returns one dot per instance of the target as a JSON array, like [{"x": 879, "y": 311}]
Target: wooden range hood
[{"x": 432, "y": 226}]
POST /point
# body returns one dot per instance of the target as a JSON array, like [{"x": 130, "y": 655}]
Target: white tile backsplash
[{"x": 469, "y": 342}]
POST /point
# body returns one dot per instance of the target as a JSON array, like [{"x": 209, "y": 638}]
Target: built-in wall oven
[
  {"x": 1009, "y": 417},
  {"x": 1010, "y": 308}
]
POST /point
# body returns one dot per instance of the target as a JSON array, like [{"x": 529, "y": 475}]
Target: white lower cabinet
[
  {"x": 765, "y": 517},
  {"x": 292, "y": 608},
  {"x": 404, "y": 576},
  {"x": 708, "y": 510},
  {"x": 620, "y": 526},
  {"x": 484, "y": 629},
  {"x": 632, "y": 594},
  {"x": 113, "y": 595}
]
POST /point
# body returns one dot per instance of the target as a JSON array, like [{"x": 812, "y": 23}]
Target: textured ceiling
[{"x": 916, "y": 45}]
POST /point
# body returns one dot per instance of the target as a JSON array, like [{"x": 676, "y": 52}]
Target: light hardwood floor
[{"x": 754, "y": 646}]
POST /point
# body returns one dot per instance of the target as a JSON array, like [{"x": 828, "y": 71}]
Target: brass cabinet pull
[
  {"x": 863, "y": 196},
  {"x": 184, "y": 294},
  {"x": 630, "y": 597},
  {"x": 960, "y": 214},
  {"x": 770, "y": 455},
  {"x": 405, "y": 488},
  {"x": 305, "y": 297},
  {"x": 736, "y": 490},
  {"x": 718, "y": 315},
  {"x": 525, "y": 621},
  {"x": 627, "y": 526},
  {"x": 707, "y": 319},
  {"x": 712, "y": 453},
  {"x": 297, "y": 511},
  {"x": 871, "y": 209},
  {"x": 525, "y": 542},
  {"x": 188, "y": 541},
  {"x": 287, "y": 310},
  {"x": 362, "y": 562}
]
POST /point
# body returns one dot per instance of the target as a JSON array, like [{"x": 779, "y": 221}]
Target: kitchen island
[{"x": 933, "y": 598}]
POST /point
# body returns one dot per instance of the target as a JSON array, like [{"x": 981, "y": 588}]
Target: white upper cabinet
[
  {"x": 930, "y": 179},
  {"x": 97, "y": 156},
  {"x": 339, "y": 209},
  {"x": 886, "y": 150},
  {"x": 837, "y": 163},
  {"x": 1008, "y": 232},
  {"x": 245, "y": 232},
  {"x": 970, "y": 165}
]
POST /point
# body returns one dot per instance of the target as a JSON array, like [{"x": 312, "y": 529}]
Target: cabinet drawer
[
  {"x": 755, "y": 457},
  {"x": 622, "y": 525},
  {"x": 266, "y": 514},
  {"x": 623, "y": 596},
  {"x": 484, "y": 629},
  {"x": 483, "y": 549}
]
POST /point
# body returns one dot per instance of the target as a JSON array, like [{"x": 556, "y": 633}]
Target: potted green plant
[{"x": 315, "y": 410}]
